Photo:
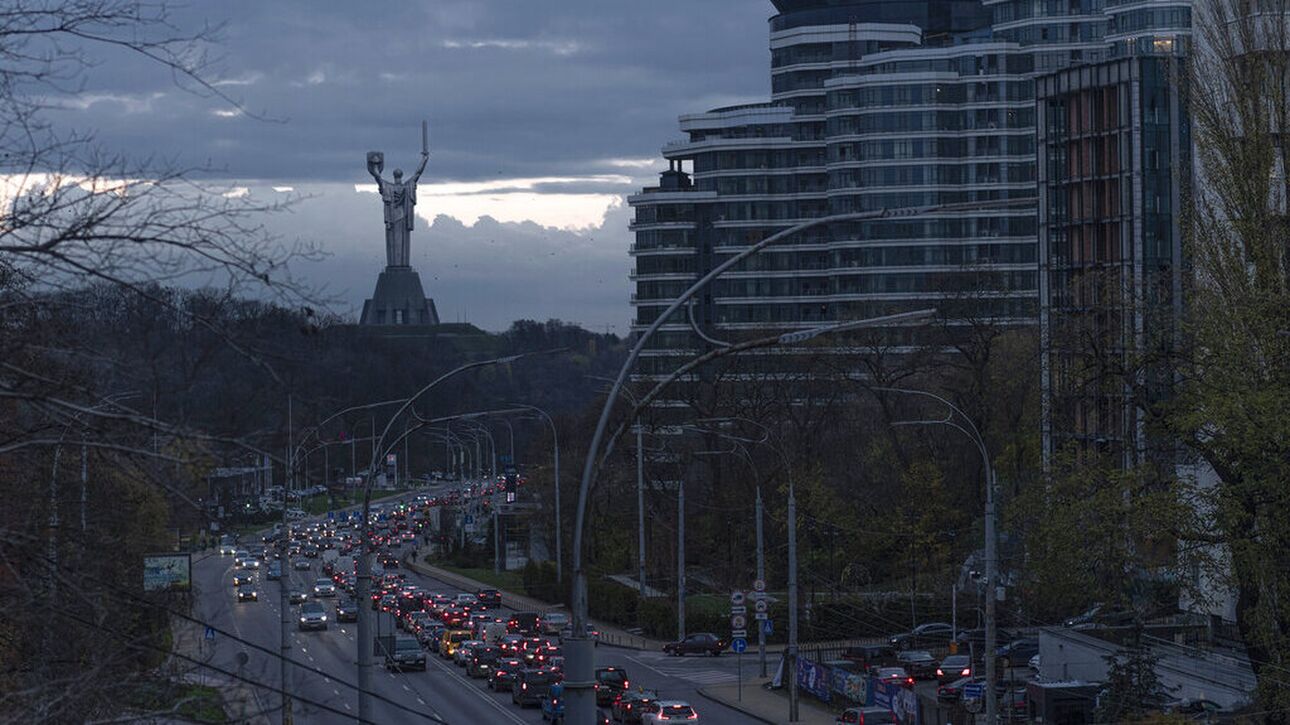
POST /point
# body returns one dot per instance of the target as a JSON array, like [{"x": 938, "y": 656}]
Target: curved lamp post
[
  {"x": 581, "y": 707},
  {"x": 364, "y": 639}
]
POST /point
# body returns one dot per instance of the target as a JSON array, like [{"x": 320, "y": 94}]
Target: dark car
[
  {"x": 489, "y": 598},
  {"x": 954, "y": 667},
  {"x": 531, "y": 686},
  {"x": 894, "y": 676},
  {"x": 973, "y": 640},
  {"x": 704, "y": 643},
  {"x": 870, "y": 655},
  {"x": 930, "y": 634},
  {"x": 630, "y": 705},
  {"x": 1018, "y": 652},
  {"x": 524, "y": 623},
  {"x": 609, "y": 682},
  {"x": 952, "y": 692},
  {"x": 504, "y": 673},
  {"x": 483, "y": 660},
  {"x": 919, "y": 663},
  {"x": 867, "y": 716},
  {"x": 405, "y": 654},
  {"x": 346, "y": 610}
]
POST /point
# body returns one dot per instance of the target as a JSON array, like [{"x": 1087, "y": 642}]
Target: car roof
[{"x": 673, "y": 703}]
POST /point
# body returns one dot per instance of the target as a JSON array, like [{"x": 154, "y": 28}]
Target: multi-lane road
[{"x": 327, "y": 695}]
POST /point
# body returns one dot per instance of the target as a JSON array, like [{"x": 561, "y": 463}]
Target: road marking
[
  {"x": 407, "y": 689},
  {"x": 421, "y": 701},
  {"x": 347, "y": 707},
  {"x": 482, "y": 695}
]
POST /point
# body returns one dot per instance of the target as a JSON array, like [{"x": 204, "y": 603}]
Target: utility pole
[
  {"x": 761, "y": 576},
  {"x": 991, "y": 628},
  {"x": 792, "y": 606},
  {"x": 680, "y": 560},
  {"x": 497, "y": 550},
  {"x": 85, "y": 482},
  {"x": 640, "y": 512},
  {"x": 285, "y": 572}
]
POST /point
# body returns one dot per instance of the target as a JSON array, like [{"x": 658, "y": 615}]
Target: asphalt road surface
[{"x": 443, "y": 691}]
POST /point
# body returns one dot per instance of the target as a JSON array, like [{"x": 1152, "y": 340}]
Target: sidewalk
[
  {"x": 765, "y": 705},
  {"x": 240, "y": 703}
]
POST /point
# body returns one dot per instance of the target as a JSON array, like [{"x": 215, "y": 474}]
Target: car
[
  {"x": 273, "y": 572},
  {"x": 868, "y": 656},
  {"x": 609, "y": 682},
  {"x": 592, "y": 634},
  {"x": 324, "y": 588},
  {"x": 953, "y": 668},
  {"x": 932, "y": 633},
  {"x": 1018, "y": 651},
  {"x": 919, "y": 663},
  {"x": 504, "y": 673},
  {"x": 240, "y": 557},
  {"x": 313, "y": 616},
  {"x": 489, "y": 598},
  {"x": 482, "y": 661},
  {"x": 241, "y": 577},
  {"x": 466, "y": 600},
  {"x": 510, "y": 644},
  {"x": 531, "y": 686},
  {"x": 1101, "y": 615},
  {"x": 247, "y": 593},
  {"x": 406, "y": 653},
  {"x": 894, "y": 676},
  {"x": 630, "y": 705},
  {"x": 973, "y": 640},
  {"x": 302, "y": 565},
  {"x": 524, "y": 623},
  {"x": 296, "y": 597},
  {"x": 465, "y": 651},
  {"x": 227, "y": 546},
  {"x": 670, "y": 711},
  {"x": 414, "y": 622},
  {"x": 553, "y": 622},
  {"x": 450, "y": 640},
  {"x": 867, "y": 716},
  {"x": 346, "y": 610},
  {"x": 951, "y": 693},
  {"x": 703, "y": 643}
]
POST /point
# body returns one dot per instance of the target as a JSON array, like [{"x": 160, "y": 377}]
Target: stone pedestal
[{"x": 399, "y": 300}]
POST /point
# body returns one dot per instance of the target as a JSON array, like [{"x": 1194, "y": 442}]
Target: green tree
[{"x": 1133, "y": 689}]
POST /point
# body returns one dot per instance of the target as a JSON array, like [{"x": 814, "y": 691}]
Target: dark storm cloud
[{"x": 513, "y": 88}]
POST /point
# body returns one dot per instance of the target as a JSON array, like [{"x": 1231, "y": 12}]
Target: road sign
[
  {"x": 760, "y": 606},
  {"x": 737, "y": 599},
  {"x": 759, "y": 585},
  {"x": 739, "y": 610},
  {"x": 468, "y": 519},
  {"x": 739, "y": 633},
  {"x": 738, "y": 621},
  {"x": 761, "y": 616},
  {"x": 768, "y": 627},
  {"x": 210, "y": 634},
  {"x": 331, "y": 515},
  {"x": 738, "y": 645}
]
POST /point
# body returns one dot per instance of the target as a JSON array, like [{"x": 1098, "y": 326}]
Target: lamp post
[
  {"x": 991, "y": 541},
  {"x": 365, "y": 642},
  {"x": 555, "y": 442},
  {"x": 640, "y": 499}
]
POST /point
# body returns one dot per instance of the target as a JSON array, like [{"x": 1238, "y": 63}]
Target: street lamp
[
  {"x": 365, "y": 641},
  {"x": 972, "y": 432}
]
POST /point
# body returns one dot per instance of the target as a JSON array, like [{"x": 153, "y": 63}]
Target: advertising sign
[
  {"x": 813, "y": 678},
  {"x": 167, "y": 572}
]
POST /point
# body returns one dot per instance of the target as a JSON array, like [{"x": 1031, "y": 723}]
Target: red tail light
[{"x": 940, "y": 672}]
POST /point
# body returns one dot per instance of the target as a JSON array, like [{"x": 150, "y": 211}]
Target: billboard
[{"x": 167, "y": 572}]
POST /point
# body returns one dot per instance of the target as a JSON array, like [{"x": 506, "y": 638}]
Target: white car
[
  {"x": 467, "y": 600},
  {"x": 324, "y": 588},
  {"x": 228, "y": 547},
  {"x": 553, "y": 622},
  {"x": 671, "y": 711}
]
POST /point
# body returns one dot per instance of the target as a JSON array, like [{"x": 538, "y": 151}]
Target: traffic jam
[{"x": 518, "y": 653}]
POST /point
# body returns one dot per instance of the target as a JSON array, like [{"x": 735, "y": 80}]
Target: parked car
[
  {"x": 869, "y": 656},
  {"x": 531, "y": 686},
  {"x": 919, "y": 663},
  {"x": 609, "y": 682},
  {"x": 313, "y": 616},
  {"x": 867, "y": 716},
  {"x": 953, "y": 668},
  {"x": 973, "y": 640},
  {"x": 671, "y": 711},
  {"x": 930, "y": 634},
  {"x": 406, "y": 653},
  {"x": 951, "y": 693},
  {"x": 504, "y": 673},
  {"x": 704, "y": 643},
  {"x": 1018, "y": 651}
]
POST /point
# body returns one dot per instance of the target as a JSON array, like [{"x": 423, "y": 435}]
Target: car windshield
[
  {"x": 678, "y": 711},
  {"x": 539, "y": 677},
  {"x": 617, "y": 677},
  {"x": 955, "y": 661},
  {"x": 917, "y": 656},
  {"x": 404, "y": 645},
  {"x": 311, "y": 608},
  {"x": 322, "y": 582}
]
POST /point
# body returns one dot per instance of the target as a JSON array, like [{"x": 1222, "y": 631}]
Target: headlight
[
  {"x": 302, "y": 620},
  {"x": 324, "y": 617}
]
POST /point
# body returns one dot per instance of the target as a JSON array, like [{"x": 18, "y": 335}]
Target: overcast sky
[{"x": 544, "y": 114}]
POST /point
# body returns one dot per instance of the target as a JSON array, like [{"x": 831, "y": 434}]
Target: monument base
[{"x": 399, "y": 299}]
